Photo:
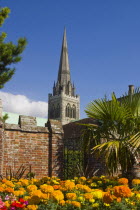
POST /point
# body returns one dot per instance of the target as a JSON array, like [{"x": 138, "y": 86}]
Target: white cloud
[{"x": 22, "y": 105}]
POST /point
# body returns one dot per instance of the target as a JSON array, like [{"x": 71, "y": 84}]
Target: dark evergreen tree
[{"x": 9, "y": 52}]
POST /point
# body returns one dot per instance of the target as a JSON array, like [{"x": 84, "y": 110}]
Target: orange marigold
[
  {"x": 122, "y": 191},
  {"x": 123, "y": 181},
  {"x": 56, "y": 187},
  {"x": 62, "y": 202},
  {"x": 76, "y": 204},
  {"x": 88, "y": 196},
  {"x": 108, "y": 198},
  {"x": 8, "y": 189},
  {"x": 68, "y": 185}
]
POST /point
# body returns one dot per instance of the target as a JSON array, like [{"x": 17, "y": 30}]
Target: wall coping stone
[{"x": 54, "y": 126}]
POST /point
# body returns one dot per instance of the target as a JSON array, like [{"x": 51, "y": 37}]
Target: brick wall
[{"x": 29, "y": 144}]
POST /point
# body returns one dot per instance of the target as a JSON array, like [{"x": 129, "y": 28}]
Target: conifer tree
[{"x": 9, "y": 52}]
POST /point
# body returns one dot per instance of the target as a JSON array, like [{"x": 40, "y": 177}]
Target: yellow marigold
[
  {"x": 83, "y": 178},
  {"x": 7, "y": 204},
  {"x": 84, "y": 188},
  {"x": 68, "y": 202},
  {"x": 81, "y": 198},
  {"x": 46, "y": 188},
  {"x": 92, "y": 200},
  {"x": 97, "y": 194},
  {"x": 26, "y": 198},
  {"x": 24, "y": 182},
  {"x": 122, "y": 191},
  {"x": 32, "y": 207},
  {"x": 71, "y": 196},
  {"x": 37, "y": 193},
  {"x": 95, "y": 205},
  {"x": 88, "y": 196},
  {"x": 9, "y": 183},
  {"x": 135, "y": 181},
  {"x": 123, "y": 181},
  {"x": 22, "y": 189},
  {"x": 57, "y": 195},
  {"x": 18, "y": 193},
  {"x": 31, "y": 188},
  {"x": 106, "y": 204},
  {"x": 45, "y": 196},
  {"x": 76, "y": 204},
  {"x": 68, "y": 185},
  {"x": 138, "y": 196},
  {"x": 62, "y": 202}
]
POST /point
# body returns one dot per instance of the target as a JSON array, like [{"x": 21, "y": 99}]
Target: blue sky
[{"x": 103, "y": 43}]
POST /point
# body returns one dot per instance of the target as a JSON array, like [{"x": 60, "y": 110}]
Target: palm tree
[{"x": 117, "y": 136}]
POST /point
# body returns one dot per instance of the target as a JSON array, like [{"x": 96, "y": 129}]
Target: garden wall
[{"x": 29, "y": 144}]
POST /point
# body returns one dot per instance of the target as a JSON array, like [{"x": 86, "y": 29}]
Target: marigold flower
[
  {"x": 46, "y": 188},
  {"x": 122, "y": 191},
  {"x": 1, "y": 189},
  {"x": 92, "y": 200},
  {"x": 95, "y": 205},
  {"x": 31, "y": 188},
  {"x": 138, "y": 196},
  {"x": 97, "y": 194},
  {"x": 136, "y": 181},
  {"x": 69, "y": 185},
  {"x": 7, "y": 204},
  {"x": 88, "y": 196},
  {"x": 83, "y": 178},
  {"x": 123, "y": 181},
  {"x": 68, "y": 202},
  {"x": 57, "y": 195},
  {"x": 24, "y": 182},
  {"x": 56, "y": 187},
  {"x": 9, "y": 183},
  {"x": 18, "y": 193},
  {"x": 76, "y": 204},
  {"x": 119, "y": 199},
  {"x": 84, "y": 188},
  {"x": 62, "y": 202},
  {"x": 32, "y": 207},
  {"x": 8, "y": 189},
  {"x": 71, "y": 196},
  {"x": 108, "y": 198}
]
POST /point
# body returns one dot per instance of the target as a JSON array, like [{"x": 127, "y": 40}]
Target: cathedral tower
[{"x": 64, "y": 104}]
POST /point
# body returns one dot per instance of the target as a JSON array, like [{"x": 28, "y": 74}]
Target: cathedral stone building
[{"x": 64, "y": 104}]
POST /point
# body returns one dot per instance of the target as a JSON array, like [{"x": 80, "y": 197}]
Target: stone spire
[{"x": 64, "y": 69}]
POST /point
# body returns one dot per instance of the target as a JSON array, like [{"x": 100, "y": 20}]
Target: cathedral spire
[{"x": 64, "y": 70}]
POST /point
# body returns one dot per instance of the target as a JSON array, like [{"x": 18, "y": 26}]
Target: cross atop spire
[{"x": 64, "y": 69}]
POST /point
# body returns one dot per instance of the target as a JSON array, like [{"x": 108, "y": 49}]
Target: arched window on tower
[
  {"x": 73, "y": 111},
  {"x": 68, "y": 110}
]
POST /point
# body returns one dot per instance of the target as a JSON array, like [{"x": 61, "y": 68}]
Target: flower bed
[{"x": 79, "y": 193}]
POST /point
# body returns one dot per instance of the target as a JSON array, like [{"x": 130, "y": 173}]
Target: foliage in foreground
[{"x": 79, "y": 193}]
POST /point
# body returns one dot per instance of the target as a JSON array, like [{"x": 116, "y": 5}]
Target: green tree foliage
[
  {"x": 117, "y": 135},
  {"x": 9, "y": 52}
]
